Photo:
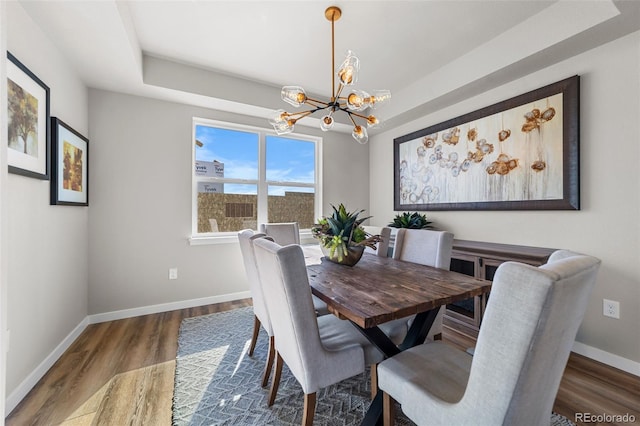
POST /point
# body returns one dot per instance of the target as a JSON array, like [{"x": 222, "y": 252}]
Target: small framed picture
[
  {"x": 27, "y": 121},
  {"x": 70, "y": 166}
]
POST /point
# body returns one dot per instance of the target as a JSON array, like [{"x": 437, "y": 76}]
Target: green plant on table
[
  {"x": 411, "y": 221},
  {"x": 341, "y": 230}
]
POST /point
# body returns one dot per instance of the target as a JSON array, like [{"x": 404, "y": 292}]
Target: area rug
[{"x": 217, "y": 383}]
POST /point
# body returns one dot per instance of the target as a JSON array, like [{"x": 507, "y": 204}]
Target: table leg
[
  {"x": 380, "y": 340},
  {"x": 419, "y": 329},
  {"x": 415, "y": 336}
]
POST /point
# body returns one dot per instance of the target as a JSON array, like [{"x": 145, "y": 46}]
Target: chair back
[
  {"x": 246, "y": 238},
  {"x": 423, "y": 246},
  {"x": 527, "y": 332},
  {"x": 282, "y": 233},
  {"x": 382, "y": 249},
  {"x": 284, "y": 276}
]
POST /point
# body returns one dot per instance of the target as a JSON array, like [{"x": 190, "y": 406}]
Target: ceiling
[{"x": 428, "y": 53}]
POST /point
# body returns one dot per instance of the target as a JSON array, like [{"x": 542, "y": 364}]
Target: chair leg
[
  {"x": 254, "y": 338},
  {"x": 388, "y": 409},
  {"x": 275, "y": 383},
  {"x": 374, "y": 381},
  {"x": 309, "y": 409},
  {"x": 269, "y": 364}
]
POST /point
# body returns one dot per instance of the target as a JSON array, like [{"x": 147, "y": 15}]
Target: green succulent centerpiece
[
  {"x": 413, "y": 220},
  {"x": 342, "y": 236}
]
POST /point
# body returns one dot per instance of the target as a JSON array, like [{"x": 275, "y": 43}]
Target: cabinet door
[
  {"x": 487, "y": 268},
  {"x": 465, "y": 312}
]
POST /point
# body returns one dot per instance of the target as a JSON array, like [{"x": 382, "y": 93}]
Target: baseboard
[
  {"x": 27, "y": 384},
  {"x": 608, "y": 358},
  {"x": 165, "y": 307},
  {"x": 32, "y": 379}
]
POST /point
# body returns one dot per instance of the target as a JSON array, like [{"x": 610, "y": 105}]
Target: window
[{"x": 243, "y": 176}]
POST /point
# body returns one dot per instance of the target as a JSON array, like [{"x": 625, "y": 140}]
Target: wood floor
[{"x": 121, "y": 373}]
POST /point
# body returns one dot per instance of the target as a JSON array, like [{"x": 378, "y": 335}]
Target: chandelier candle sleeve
[{"x": 354, "y": 102}]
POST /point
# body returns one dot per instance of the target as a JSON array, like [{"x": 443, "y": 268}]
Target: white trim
[
  {"x": 232, "y": 238},
  {"x": 203, "y": 240},
  {"x": 165, "y": 307},
  {"x": 608, "y": 358},
  {"x": 32, "y": 379}
]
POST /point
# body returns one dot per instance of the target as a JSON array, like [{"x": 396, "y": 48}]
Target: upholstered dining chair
[
  {"x": 319, "y": 351},
  {"x": 382, "y": 249},
  {"x": 282, "y": 233},
  {"x": 246, "y": 238},
  {"x": 426, "y": 247},
  {"x": 527, "y": 332}
]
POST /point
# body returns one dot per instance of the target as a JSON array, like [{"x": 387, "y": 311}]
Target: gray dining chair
[
  {"x": 246, "y": 238},
  {"x": 319, "y": 351},
  {"x": 282, "y": 233},
  {"x": 382, "y": 248},
  {"x": 426, "y": 247},
  {"x": 527, "y": 332}
]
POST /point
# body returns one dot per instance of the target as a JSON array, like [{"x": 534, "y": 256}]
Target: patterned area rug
[{"x": 217, "y": 383}]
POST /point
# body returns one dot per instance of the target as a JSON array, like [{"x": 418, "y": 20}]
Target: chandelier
[{"x": 352, "y": 104}]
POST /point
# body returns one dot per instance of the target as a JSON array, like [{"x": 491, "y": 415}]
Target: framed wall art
[
  {"x": 69, "y": 166},
  {"x": 28, "y": 121},
  {"x": 519, "y": 154}
]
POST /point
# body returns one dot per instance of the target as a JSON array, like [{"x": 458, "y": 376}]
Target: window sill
[
  {"x": 212, "y": 240},
  {"x": 232, "y": 238}
]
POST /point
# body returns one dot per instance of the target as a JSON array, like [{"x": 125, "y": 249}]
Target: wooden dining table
[{"x": 381, "y": 289}]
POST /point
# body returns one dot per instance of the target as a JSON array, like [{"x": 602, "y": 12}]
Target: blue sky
[{"x": 287, "y": 159}]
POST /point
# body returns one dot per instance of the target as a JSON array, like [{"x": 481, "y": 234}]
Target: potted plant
[
  {"x": 411, "y": 221},
  {"x": 342, "y": 238}
]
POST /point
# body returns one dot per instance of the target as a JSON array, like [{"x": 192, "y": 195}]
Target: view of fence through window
[{"x": 245, "y": 177}]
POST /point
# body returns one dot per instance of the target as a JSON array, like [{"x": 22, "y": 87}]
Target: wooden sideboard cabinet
[{"x": 480, "y": 259}]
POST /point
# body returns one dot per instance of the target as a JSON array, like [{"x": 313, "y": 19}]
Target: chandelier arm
[
  {"x": 337, "y": 96},
  {"x": 357, "y": 115},
  {"x": 351, "y": 118},
  {"x": 310, "y": 101},
  {"x": 302, "y": 114}
]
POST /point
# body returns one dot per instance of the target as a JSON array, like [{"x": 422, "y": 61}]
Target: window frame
[{"x": 199, "y": 238}]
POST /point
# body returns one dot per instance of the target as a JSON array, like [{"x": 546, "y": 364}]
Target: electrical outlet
[
  {"x": 173, "y": 273},
  {"x": 611, "y": 308}
]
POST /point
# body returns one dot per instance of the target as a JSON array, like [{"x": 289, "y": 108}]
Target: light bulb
[
  {"x": 281, "y": 122},
  {"x": 379, "y": 97},
  {"x": 326, "y": 123},
  {"x": 348, "y": 71},
  {"x": 372, "y": 121},
  {"x": 360, "y": 134},
  {"x": 294, "y": 95},
  {"x": 358, "y": 100},
  {"x": 284, "y": 127},
  {"x": 277, "y": 117}
]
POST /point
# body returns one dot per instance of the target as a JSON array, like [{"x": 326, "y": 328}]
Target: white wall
[
  {"x": 607, "y": 226},
  {"x": 47, "y": 248},
  {"x": 140, "y": 215}
]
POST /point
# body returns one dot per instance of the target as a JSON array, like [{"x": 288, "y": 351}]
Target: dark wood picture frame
[
  {"x": 29, "y": 139},
  {"x": 69, "y": 166},
  {"x": 464, "y": 163}
]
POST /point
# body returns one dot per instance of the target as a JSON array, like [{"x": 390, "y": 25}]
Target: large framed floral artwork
[
  {"x": 519, "y": 154},
  {"x": 27, "y": 121}
]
